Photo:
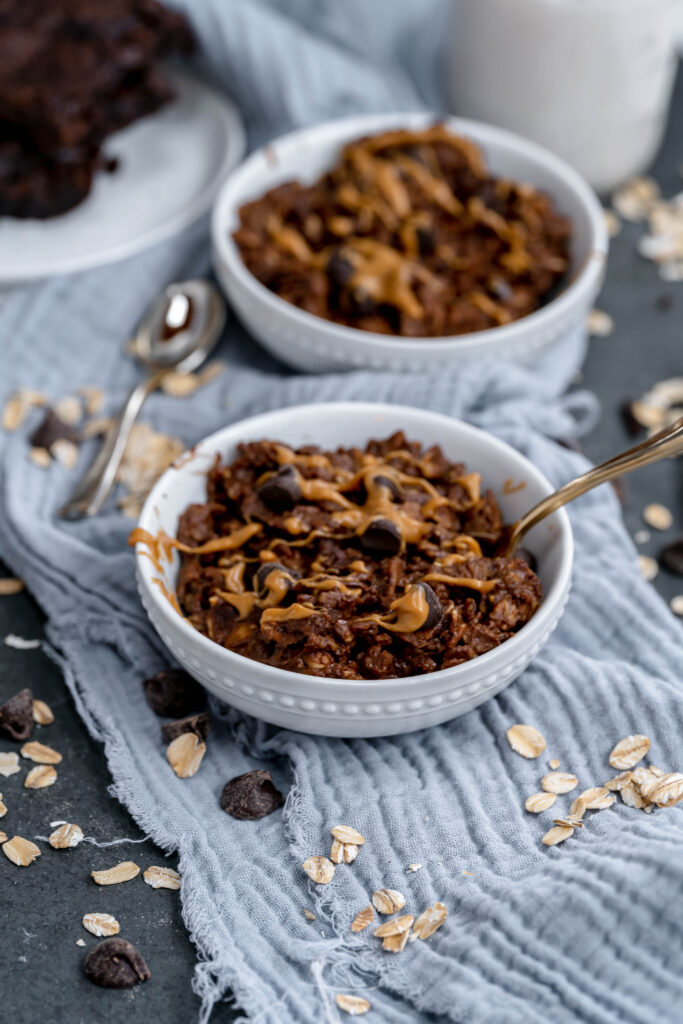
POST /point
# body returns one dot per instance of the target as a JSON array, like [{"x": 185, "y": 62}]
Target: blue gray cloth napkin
[{"x": 587, "y": 931}]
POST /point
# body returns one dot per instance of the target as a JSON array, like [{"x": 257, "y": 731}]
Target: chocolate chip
[
  {"x": 282, "y": 490},
  {"x": 199, "y": 724},
  {"x": 264, "y": 571},
  {"x": 671, "y": 557},
  {"x": 435, "y": 609},
  {"x": 425, "y": 241},
  {"x": 526, "y": 556},
  {"x": 251, "y": 796},
  {"x": 172, "y": 693},
  {"x": 115, "y": 963},
  {"x": 382, "y": 538},
  {"x": 16, "y": 716},
  {"x": 391, "y": 485},
  {"x": 339, "y": 269},
  {"x": 53, "y": 429}
]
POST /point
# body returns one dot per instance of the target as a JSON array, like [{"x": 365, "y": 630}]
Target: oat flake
[
  {"x": 388, "y": 901},
  {"x": 395, "y": 927},
  {"x": 42, "y": 712},
  {"x": 9, "y": 763},
  {"x": 629, "y": 751},
  {"x": 100, "y": 924},
  {"x": 658, "y": 516},
  {"x": 526, "y": 740},
  {"x": 40, "y": 753},
  {"x": 669, "y": 790},
  {"x": 319, "y": 869},
  {"x": 21, "y": 852},
  {"x": 66, "y": 837},
  {"x": 353, "y": 1005},
  {"x": 362, "y": 919},
  {"x": 395, "y": 943},
  {"x": 429, "y": 921},
  {"x": 554, "y": 763},
  {"x": 559, "y": 782},
  {"x": 185, "y": 754},
  {"x": 41, "y": 776},
  {"x": 122, "y": 872},
  {"x": 346, "y": 834},
  {"x": 161, "y": 878},
  {"x": 538, "y": 802},
  {"x": 557, "y": 834},
  {"x": 10, "y": 585}
]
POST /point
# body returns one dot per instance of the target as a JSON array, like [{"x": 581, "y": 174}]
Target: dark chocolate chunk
[
  {"x": 173, "y": 693},
  {"x": 199, "y": 724},
  {"x": 435, "y": 609},
  {"x": 382, "y": 538},
  {"x": 251, "y": 796},
  {"x": 53, "y": 429},
  {"x": 362, "y": 304},
  {"x": 16, "y": 716},
  {"x": 115, "y": 963},
  {"x": 425, "y": 241},
  {"x": 264, "y": 571},
  {"x": 526, "y": 556},
  {"x": 671, "y": 557},
  {"x": 339, "y": 268},
  {"x": 391, "y": 485},
  {"x": 282, "y": 490},
  {"x": 632, "y": 424}
]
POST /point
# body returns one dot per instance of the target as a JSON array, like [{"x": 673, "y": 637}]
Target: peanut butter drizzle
[
  {"x": 240, "y": 633},
  {"x": 401, "y": 137},
  {"x": 378, "y": 505},
  {"x": 408, "y": 613},
  {"x": 384, "y": 274},
  {"x": 287, "y": 457},
  {"x": 294, "y": 611},
  {"x": 464, "y": 542},
  {"x": 266, "y": 555},
  {"x": 510, "y": 487},
  {"x": 483, "y": 586},
  {"x": 288, "y": 239},
  {"x": 162, "y": 544},
  {"x": 168, "y": 594},
  {"x": 294, "y": 525},
  {"x": 243, "y": 603},
  {"x": 494, "y": 310},
  {"x": 234, "y": 578},
  {"x": 437, "y": 189},
  {"x": 322, "y": 490},
  {"x": 323, "y": 581},
  {"x": 277, "y": 583}
]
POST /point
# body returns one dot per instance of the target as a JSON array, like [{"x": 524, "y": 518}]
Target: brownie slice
[{"x": 71, "y": 73}]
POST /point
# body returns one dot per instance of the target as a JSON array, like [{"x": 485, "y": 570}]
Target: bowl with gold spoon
[{"x": 356, "y": 569}]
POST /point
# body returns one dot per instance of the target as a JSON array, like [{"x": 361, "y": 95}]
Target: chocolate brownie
[
  {"x": 408, "y": 234},
  {"x": 71, "y": 73},
  {"x": 354, "y": 564}
]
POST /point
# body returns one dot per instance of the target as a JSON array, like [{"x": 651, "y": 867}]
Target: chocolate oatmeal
[
  {"x": 353, "y": 564},
  {"x": 408, "y": 234}
]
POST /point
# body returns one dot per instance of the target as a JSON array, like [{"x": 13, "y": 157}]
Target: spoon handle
[
  {"x": 665, "y": 444},
  {"x": 92, "y": 491}
]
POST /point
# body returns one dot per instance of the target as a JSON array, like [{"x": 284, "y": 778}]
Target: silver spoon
[{"x": 177, "y": 333}]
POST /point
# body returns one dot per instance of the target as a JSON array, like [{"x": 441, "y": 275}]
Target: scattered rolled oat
[
  {"x": 635, "y": 198},
  {"x": 557, "y": 834},
  {"x": 619, "y": 781},
  {"x": 553, "y": 763},
  {"x": 429, "y": 921},
  {"x": 148, "y": 454},
  {"x": 526, "y": 740},
  {"x": 632, "y": 797},
  {"x": 309, "y": 915},
  {"x": 394, "y": 927},
  {"x": 94, "y": 400},
  {"x": 10, "y": 585},
  {"x": 122, "y": 872},
  {"x": 319, "y": 869},
  {"x": 100, "y": 924},
  {"x": 413, "y": 868},
  {"x": 180, "y": 385},
  {"x": 355, "y": 1006},
  {"x": 559, "y": 782},
  {"x": 9, "y": 763},
  {"x": 669, "y": 790},
  {"x": 676, "y": 604},
  {"x": 80, "y": 942},
  {"x": 69, "y": 410},
  {"x": 40, "y": 753},
  {"x": 362, "y": 919},
  {"x": 3, "y": 837},
  {"x": 648, "y": 566},
  {"x": 14, "y": 413},
  {"x": 658, "y": 516},
  {"x": 40, "y": 777},
  {"x": 65, "y": 452},
  {"x": 570, "y": 822},
  {"x": 395, "y": 943},
  {"x": 641, "y": 536},
  {"x": 538, "y": 802},
  {"x": 21, "y": 852},
  {"x": 388, "y": 901},
  {"x": 343, "y": 853},
  {"x": 161, "y": 878},
  {"x": 612, "y": 223},
  {"x": 599, "y": 324},
  {"x": 629, "y": 751},
  {"x": 185, "y": 754},
  {"x": 346, "y": 834},
  {"x": 40, "y": 457},
  {"x": 595, "y": 797},
  {"x": 578, "y": 807},
  {"x": 66, "y": 837},
  {"x": 42, "y": 712},
  {"x": 3, "y": 808}
]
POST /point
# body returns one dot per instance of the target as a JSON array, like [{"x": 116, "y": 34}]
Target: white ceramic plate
[
  {"x": 171, "y": 166},
  {"x": 354, "y": 707}
]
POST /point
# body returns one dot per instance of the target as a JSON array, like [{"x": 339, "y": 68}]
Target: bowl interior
[
  {"x": 515, "y": 481},
  {"x": 308, "y": 153}
]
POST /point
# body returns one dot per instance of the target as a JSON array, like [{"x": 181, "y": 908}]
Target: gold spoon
[{"x": 664, "y": 445}]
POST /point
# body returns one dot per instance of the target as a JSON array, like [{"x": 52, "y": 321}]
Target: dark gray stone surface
[{"x": 41, "y": 975}]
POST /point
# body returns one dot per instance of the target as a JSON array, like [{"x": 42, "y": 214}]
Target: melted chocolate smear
[
  {"x": 264, "y": 571},
  {"x": 435, "y": 609}
]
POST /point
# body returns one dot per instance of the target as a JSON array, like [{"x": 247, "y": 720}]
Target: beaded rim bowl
[
  {"x": 342, "y": 707},
  {"x": 313, "y": 344}
]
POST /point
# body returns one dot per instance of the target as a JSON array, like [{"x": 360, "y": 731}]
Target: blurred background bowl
[
  {"x": 312, "y": 344},
  {"x": 342, "y": 707}
]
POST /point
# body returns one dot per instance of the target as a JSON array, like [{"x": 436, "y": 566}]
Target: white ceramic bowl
[
  {"x": 312, "y": 344},
  {"x": 341, "y": 707}
]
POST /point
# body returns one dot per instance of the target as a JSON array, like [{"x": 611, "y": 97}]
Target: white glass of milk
[{"x": 589, "y": 79}]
